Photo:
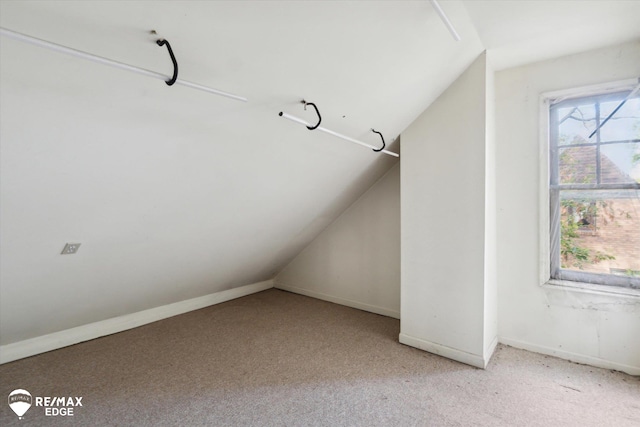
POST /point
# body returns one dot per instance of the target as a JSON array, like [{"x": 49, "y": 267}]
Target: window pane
[
  {"x": 600, "y": 231},
  {"x": 595, "y": 209},
  {"x": 577, "y": 123},
  {"x": 620, "y": 163},
  {"x": 624, "y": 124},
  {"x": 577, "y": 165}
]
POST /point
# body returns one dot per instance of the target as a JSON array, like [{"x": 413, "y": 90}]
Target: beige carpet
[{"x": 275, "y": 358}]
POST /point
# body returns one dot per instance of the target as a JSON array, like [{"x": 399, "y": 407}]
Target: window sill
[{"x": 590, "y": 288}]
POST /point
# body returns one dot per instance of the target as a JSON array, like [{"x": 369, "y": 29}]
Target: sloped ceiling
[
  {"x": 518, "y": 32},
  {"x": 175, "y": 193}
]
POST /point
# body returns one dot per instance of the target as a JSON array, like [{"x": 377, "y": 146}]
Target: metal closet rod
[
  {"x": 445, "y": 20},
  {"x": 105, "y": 61},
  {"x": 339, "y": 135}
]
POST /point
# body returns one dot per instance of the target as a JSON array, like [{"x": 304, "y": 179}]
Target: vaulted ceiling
[{"x": 175, "y": 193}]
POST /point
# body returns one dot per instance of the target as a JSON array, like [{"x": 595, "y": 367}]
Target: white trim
[
  {"x": 544, "y": 220},
  {"x": 444, "y": 351},
  {"x": 488, "y": 352},
  {"x": 591, "y": 288},
  {"x": 572, "y": 357},
  {"x": 342, "y": 301},
  {"x": 56, "y": 340},
  {"x": 598, "y": 89}
]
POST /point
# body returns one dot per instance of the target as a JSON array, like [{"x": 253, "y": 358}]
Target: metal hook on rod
[
  {"x": 383, "y": 143},
  {"x": 339, "y": 135},
  {"x": 111, "y": 63},
  {"x": 162, "y": 42},
  {"x": 317, "y": 112}
]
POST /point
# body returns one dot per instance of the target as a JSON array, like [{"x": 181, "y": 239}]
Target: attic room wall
[
  {"x": 356, "y": 260},
  {"x": 178, "y": 194},
  {"x": 490, "y": 215},
  {"x": 448, "y": 244},
  {"x": 598, "y": 329}
]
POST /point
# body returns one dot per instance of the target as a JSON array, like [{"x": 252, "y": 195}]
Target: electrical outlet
[{"x": 70, "y": 248}]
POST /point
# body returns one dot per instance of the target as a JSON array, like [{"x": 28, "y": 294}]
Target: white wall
[
  {"x": 490, "y": 220},
  {"x": 446, "y": 254},
  {"x": 356, "y": 260},
  {"x": 598, "y": 329},
  {"x": 176, "y": 194}
]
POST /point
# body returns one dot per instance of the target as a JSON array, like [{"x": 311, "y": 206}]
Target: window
[{"x": 594, "y": 188}]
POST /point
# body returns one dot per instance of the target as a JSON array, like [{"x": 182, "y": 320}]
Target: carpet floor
[{"x": 280, "y": 359}]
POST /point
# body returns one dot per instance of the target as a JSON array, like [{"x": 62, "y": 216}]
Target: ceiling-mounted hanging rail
[
  {"x": 446, "y": 21},
  {"x": 105, "y": 61},
  {"x": 330, "y": 132}
]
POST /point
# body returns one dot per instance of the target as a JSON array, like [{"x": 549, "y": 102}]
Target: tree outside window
[{"x": 595, "y": 189}]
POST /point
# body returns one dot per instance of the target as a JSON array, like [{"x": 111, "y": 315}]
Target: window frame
[{"x": 550, "y": 271}]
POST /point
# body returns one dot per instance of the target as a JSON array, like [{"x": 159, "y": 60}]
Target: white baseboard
[
  {"x": 488, "y": 352},
  {"x": 56, "y": 340},
  {"x": 573, "y": 357},
  {"x": 342, "y": 301},
  {"x": 444, "y": 351}
]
